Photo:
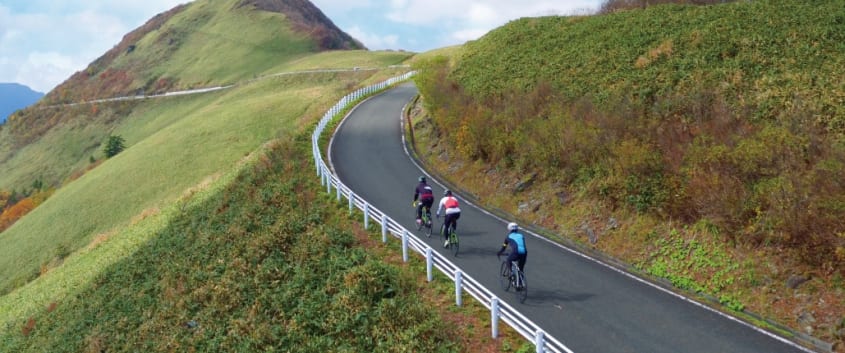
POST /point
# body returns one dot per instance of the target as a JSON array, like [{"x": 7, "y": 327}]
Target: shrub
[{"x": 114, "y": 145}]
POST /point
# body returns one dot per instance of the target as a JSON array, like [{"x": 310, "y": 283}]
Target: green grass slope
[
  {"x": 701, "y": 144},
  {"x": 204, "y": 43},
  {"x": 762, "y": 54},
  {"x": 259, "y": 260},
  {"x": 173, "y": 143},
  {"x": 197, "y": 45}
]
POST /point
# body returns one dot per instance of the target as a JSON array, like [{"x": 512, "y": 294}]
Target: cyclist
[
  {"x": 516, "y": 242},
  {"x": 425, "y": 195},
  {"x": 451, "y": 214}
]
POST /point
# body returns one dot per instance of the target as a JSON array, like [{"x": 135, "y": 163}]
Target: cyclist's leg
[
  {"x": 419, "y": 209},
  {"x": 428, "y": 203},
  {"x": 514, "y": 258},
  {"x": 448, "y": 221},
  {"x": 522, "y": 259},
  {"x": 455, "y": 222}
]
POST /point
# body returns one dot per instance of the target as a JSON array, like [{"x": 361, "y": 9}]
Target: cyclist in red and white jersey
[{"x": 452, "y": 212}]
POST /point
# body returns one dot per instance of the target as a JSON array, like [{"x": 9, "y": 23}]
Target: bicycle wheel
[
  {"x": 427, "y": 223},
  {"x": 522, "y": 292},
  {"x": 505, "y": 276},
  {"x": 453, "y": 240}
]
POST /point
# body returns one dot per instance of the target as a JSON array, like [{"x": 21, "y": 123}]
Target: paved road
[{"x": 584, "y": 304}]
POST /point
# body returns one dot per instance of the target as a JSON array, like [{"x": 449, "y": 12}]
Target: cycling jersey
[
  {"x": 450, "y": 204},
  {"x": 423, "y": 192},
  {"x": 516, "y": 240}
]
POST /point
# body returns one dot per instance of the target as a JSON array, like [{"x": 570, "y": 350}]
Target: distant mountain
[{"x": 15, "y": 96}]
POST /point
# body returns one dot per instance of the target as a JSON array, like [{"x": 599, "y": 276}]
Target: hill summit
[
  {"x": 196, "y": 45},
  {"x": 307, "y": 18}
]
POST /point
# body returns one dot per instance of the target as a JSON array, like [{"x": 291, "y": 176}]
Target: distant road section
[
  {"x": 217, "y": 88},
  {"x": 588, "y": 305}
]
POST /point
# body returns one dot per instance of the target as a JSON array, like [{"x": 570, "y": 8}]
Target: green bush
[{"x": 114, "y": 145}]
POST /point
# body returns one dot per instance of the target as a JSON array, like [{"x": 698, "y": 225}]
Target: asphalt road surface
[{"x": 587, "y": 305}]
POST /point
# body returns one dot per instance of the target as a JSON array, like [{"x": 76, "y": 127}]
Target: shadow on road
[{"x": 545, "y": 298}]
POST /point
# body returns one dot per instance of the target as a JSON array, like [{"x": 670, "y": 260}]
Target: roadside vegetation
[{"x": 701, "y": 144}]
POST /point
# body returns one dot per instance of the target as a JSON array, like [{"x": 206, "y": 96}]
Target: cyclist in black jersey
[{"x": 425, "y": 195}]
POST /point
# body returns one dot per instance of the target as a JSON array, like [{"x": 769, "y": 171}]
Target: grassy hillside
[
  {"x": 201, "y": 44},
  {"x": 173, "y": 143},
  {"x": 204, "y": 43},
  {"x": 259, "y": 260},
  {"x": 701, "y": 144}
]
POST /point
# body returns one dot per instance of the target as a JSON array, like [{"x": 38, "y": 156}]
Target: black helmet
[
  {"x": 447, "y": 192},
  {"x": 422, "y": 179}
]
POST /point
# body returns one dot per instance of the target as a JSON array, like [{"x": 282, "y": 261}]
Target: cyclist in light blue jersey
[{"x": 516, "y": 242}]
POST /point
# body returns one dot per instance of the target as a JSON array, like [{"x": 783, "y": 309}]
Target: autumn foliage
[
  {"x": 12, "y": 214},
  {"x": 686, "y": 118}
]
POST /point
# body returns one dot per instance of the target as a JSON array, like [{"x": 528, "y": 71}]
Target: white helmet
[{"x": 512, "y": 227}]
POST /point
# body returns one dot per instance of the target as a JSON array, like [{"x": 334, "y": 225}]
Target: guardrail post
[
  {"x": 366, "y": 216},
  {"x": 459, "y": 279},
  {"x": 494, "y": 316},
  {"x": 384, "y": 228},
  {"x": 328, "y": 184},
  {"x": 338, "y": 193},
  {"x": 428, "y": 263},
  {"x": 405, "y": 245},
  {"x": 540, "y": 341},
  {"x": 351, "y": 201}
]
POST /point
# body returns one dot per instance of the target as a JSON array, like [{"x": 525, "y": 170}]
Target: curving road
[{"x": 588, "y": 306}]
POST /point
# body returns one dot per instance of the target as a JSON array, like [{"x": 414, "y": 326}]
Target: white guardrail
[{"x": 463, "y": 282}]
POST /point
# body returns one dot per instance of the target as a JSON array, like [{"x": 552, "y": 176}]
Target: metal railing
[{"x": 464, "y": 283}]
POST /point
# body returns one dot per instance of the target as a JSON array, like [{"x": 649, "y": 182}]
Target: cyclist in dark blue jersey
[{"x": 425, "y": 195}]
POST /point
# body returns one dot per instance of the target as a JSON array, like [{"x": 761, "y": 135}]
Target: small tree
[{"x": 114, "y": 146}]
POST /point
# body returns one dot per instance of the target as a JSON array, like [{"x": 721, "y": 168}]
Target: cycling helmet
[
  {"x": 422, "y": 179},
  {"x": 447, "y": 193},
  {"x": 512, "y": 227}
]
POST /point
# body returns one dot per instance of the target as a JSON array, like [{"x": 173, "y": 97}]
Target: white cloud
[
  {"x": 43, "y": 42},
  {"x": 41, "y": 71},
  {"x": 465, "y": 35},
  {"x": 480, "y": 12},
  {"x": 342, "y": 5},
  {"x": 374, "y": 41}
]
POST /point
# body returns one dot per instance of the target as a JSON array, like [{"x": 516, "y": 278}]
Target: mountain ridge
[{"x": 14, "y": 96}]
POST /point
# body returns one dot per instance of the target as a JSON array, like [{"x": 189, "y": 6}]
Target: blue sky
[{"x": 43, "y": 42}]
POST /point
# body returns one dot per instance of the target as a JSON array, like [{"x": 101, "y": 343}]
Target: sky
[{"x": 43, "y": 42}]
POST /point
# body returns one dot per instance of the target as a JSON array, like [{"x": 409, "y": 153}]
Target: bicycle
[
  {"x": 426, "y": 220},
  {"x": 507, "y": 279},
  {"x": 453, "y": 239}
]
